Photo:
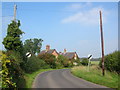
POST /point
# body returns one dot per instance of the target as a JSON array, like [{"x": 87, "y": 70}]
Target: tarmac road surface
[{"x": 61, "y": 78}]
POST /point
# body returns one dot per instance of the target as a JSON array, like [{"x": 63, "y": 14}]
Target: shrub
[
  {"x": 112, "y": 61},
  {"x": 84, "y": 61},
  {"x": 15, "y": 71},
  {"x": 65, "y": 62},
  {"x": 77, "y": 61},
  {"x": 6, "y": 79},
  {"x": 33, "y": 64},
  {"x": 49, "y": 59}
]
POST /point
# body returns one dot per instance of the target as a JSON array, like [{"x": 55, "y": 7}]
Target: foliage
[
  {"x": 77, "y": 61},
  {"x": 33, "y": 64},
  {"x": 112, "y": 62},
  {"x": 6, "y": 79},
  {"x": 49, "y": 59},
  {"x": 84, "y": 61},
  {"x": 12, "y": 40},
  {"x": 14, "y": 68},
  {"x": 14, "y": 53},
  {"x": 65, "y": 62},
  {"x": 33, "y": 45}
]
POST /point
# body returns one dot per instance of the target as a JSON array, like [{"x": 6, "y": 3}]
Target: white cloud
[
  {"x": 77, "y": 6},
  {"x": 74, "y": 7},
  {"x": 88, "y": 17}
]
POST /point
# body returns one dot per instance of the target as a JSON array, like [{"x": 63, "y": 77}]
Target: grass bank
[
  {"x": 30, "y": 77},
  {"x": 94, "y": 75}
]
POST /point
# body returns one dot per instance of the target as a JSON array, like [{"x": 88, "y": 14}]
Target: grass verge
[
  {"x": 30, "y": 77},
  {"x": 94, "y": 75}
]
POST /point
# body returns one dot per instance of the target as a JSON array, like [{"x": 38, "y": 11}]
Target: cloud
[
  {"x": 74, "y": 7},
  {"x": 88, "y": 17},
  {"x": 77, "y": 6}
]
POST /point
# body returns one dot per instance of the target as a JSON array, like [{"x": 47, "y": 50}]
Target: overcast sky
[{"x": 74, "y": 26}]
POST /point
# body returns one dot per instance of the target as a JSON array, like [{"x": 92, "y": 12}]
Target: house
[
  {"x": 50, "y": 51},
  {"x": 70, "y": 55}
]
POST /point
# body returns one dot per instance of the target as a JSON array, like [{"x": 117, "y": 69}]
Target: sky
[{"x": 71, "y": 25}]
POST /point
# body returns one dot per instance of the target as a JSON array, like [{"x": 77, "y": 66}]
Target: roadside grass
[
  {"x": 95, "y": 62},
  {"x": 30, "y": 77},
  {"x": 95, "y": 75}
]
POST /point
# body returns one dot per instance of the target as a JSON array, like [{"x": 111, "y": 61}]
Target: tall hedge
[
  {"x": 112, "y": 62},
  {"x": 49, "y": 59}
]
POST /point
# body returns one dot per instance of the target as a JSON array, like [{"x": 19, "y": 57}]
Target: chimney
[
  {"x": 65, "y": 51},
  {"x": 47, "y": 48}
]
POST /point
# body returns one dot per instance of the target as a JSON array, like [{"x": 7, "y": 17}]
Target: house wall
[{"x": 75, "y": 56}]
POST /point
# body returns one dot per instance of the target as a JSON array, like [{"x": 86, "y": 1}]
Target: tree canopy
[
  {"x": 12, "y": 40},
  {"x": 33, "y": 45}
]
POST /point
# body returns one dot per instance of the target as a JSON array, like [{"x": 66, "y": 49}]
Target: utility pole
[
  {"x": 15, "y": 8},
  {"x": 102, "y": 44}
]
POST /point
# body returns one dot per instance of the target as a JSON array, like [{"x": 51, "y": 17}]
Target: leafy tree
[
  {"x": 12, "y": 40},
  {"x": 14, "y": 53},
  {"x": 33, "y": 45}
]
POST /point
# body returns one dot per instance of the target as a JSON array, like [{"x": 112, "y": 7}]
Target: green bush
[
  {"x": 33, "y": 64},
  {"x": 112, "y": 61},
  {"x": 77, "y": 61},
  {"x": 49, "y": 59},
  {"x": 15, "y": 71},
  {"x": 65, "y": 62},
  {"x": 6, "y": 80},
  {"x": 84, "y": 61}
]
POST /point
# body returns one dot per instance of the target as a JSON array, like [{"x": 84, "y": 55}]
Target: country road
[{"x": 61, "y": 78}]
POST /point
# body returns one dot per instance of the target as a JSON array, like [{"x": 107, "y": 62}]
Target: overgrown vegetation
[
  {"x": 112, "y": 62},
  {"x": 84, "y": 61},
  {"x": 64, "y": 62},
  {"x": 14, "y": 48},
  {"x": 49, "y": 59},
  {"x": 6, "y": 79},
  {"x": 33, "y": 64}
]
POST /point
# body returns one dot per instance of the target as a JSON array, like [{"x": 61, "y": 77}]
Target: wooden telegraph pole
[
  {"x": 102, "y": 44},
  {"x": 15, "y": 8}
]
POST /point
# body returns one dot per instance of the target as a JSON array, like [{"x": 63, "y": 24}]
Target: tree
[
  {"x": 33, "y": 45},
  {"x": 12, "y": 40},
  {"x": 14, "y": 53}
]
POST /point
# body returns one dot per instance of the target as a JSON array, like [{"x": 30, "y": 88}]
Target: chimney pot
[
  {"x": 47, "y": 48},
  {"x": 65, "y": 51}
]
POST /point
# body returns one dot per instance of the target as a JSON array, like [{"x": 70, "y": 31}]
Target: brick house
[
  {"x": 50, "y": 51},
  {"x": 70, "y": 55}
]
